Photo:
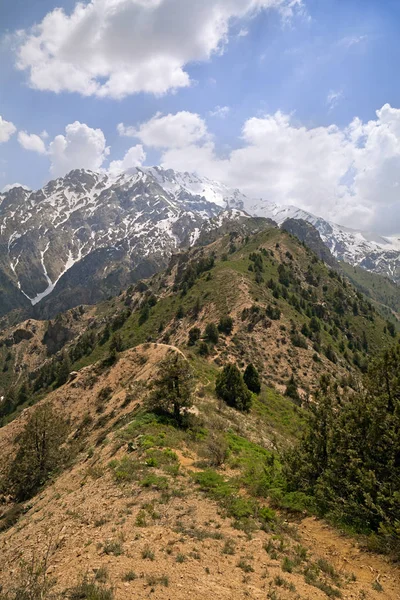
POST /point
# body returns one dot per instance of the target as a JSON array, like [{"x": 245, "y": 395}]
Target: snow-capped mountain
[
  {"x": 87, "y": 234},
  {"x": 368, "y": 250},
  {"x": 83, "y": 237}
]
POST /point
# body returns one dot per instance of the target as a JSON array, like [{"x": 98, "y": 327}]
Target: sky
[{"x": 293, "y": 101}]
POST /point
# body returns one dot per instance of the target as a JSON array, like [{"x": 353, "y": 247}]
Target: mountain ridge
[{"x": 84, "y": 236}]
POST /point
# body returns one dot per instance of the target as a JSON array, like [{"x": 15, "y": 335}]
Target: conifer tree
[
  {"x": 252, "y": 379},
  {"x": 173, "y": 387},
  {"x": 231, "y": 388}
]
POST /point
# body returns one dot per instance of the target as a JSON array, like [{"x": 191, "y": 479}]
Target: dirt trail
[{"x": 345, "y": 555}]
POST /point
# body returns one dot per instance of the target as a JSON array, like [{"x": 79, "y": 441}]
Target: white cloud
[
  {"x": 7, "y": 129},
  {"x": 80, "y": 148},
  {"x": 352, "y": 40},
  {"x": 119, "y": 47},
  {"x": 11, "y": 186},
  {"x": 220, "y": 111},
  {"x": 350, "y": 175},
  {"x": 31, "y": 142},
  {"x": 134, "y": 157},
  {"x": 333, "y": 98},
  {"x": 168, "y": 131}
]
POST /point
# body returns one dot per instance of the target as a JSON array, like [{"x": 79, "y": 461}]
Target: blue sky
[{"x": 326, "y": 63}]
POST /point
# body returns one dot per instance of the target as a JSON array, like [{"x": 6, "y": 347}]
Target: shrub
[
  {"x": 252, "y": 379},
  {"x": 273, "y": 312},
  {"x": 31, "y": 582},
  {"x": 231, "y": 388},
  {"x": 194, "y": 336},
  {"x": 225, "y": 325},
  {"x": 217, "y": 449},
  {"x": 204, "y": 349},
  {"x": 211, "y": 333},
  {"x": 147, "y": 553},
  {"x": 180, "y": 313},
  {"x": 87, "y": 590},
  {"x": 291, "y": 390}
]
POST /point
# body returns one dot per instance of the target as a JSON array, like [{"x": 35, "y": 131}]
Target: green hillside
[{"x": 293, "y": 316}]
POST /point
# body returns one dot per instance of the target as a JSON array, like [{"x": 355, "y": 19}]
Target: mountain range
[{"x": 85, "y": 236}]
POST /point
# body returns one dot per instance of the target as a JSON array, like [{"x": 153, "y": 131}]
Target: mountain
[
  {"x": 369, "y": 251},
  {"x": 131, "y": 501},
  {"x": 308, "y": 234},
  {"x": 85, "y": 236},
  {"x": 270, "y": 283}
]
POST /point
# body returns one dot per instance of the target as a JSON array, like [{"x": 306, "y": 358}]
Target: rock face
[
  {"x": 308, "y": 234},
  {"x": 85, "y": 236}
]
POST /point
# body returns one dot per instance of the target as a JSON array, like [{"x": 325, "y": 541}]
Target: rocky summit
[{"x": 85, "y": 236}]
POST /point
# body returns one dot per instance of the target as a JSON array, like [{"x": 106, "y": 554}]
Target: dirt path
[{"x": 345, "y": 555}]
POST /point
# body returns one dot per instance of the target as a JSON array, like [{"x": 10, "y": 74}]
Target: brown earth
[{"x": 91, "y": 524}]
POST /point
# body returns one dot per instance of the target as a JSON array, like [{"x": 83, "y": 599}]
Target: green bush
[
  {"x": 87, "y": 590},
  {"x": 252, "y": 379},
  {"x": 231, "y": 388},
  {"x": 211, "y": 333},
  {"x": 194, "y": 336},
  {"x": 348, "y": 459},
  {"x": 225, "y": 325},
  {"x": 291, "y": 390}
]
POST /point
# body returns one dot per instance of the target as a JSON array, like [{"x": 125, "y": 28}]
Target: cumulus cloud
[
  {"x": 31, "y": 142},
  {"x": 119, "y": 47},
  {"x": 168, "y": 131},
  {"x": 80, "y": 148},
  {"x": 350, "y": 175},
  {"x": 133, "y": 158},
  {"x": 7, "y": 129}
]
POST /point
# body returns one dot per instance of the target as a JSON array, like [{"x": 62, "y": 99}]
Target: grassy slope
[
  {"x": 245, "y": 489},
  {"x": 384, "y": 292},
  {"x": 228, "y": 288},
  {"x": 222, "y": 294}
]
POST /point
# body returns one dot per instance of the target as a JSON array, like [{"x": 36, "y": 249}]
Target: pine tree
[
  {"x": 39, "y": 452},
  {"x": 225, "y": 325},
  {"x": 291, "y": 390},
  {"x": 64, "y": 370},
  {"x": 194, "y": 335},
  {"x": 231, "y": 388},
  {"x": 252, "y": 379},
  {"x": 144, "y": 313},
  {"x": 211, "y": 333},
  {"x": 348, "y": 458},
  {"x": 173, "y": 386},
  {"x": 116, "y": 343}
]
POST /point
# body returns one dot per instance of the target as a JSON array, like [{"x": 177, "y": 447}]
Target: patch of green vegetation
[
  {"x": 89, "y": 590},
  {"x": 247, "y": 513},
  {"x": 280, "y": 414},
  {"x": 346, "y": 459}
]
